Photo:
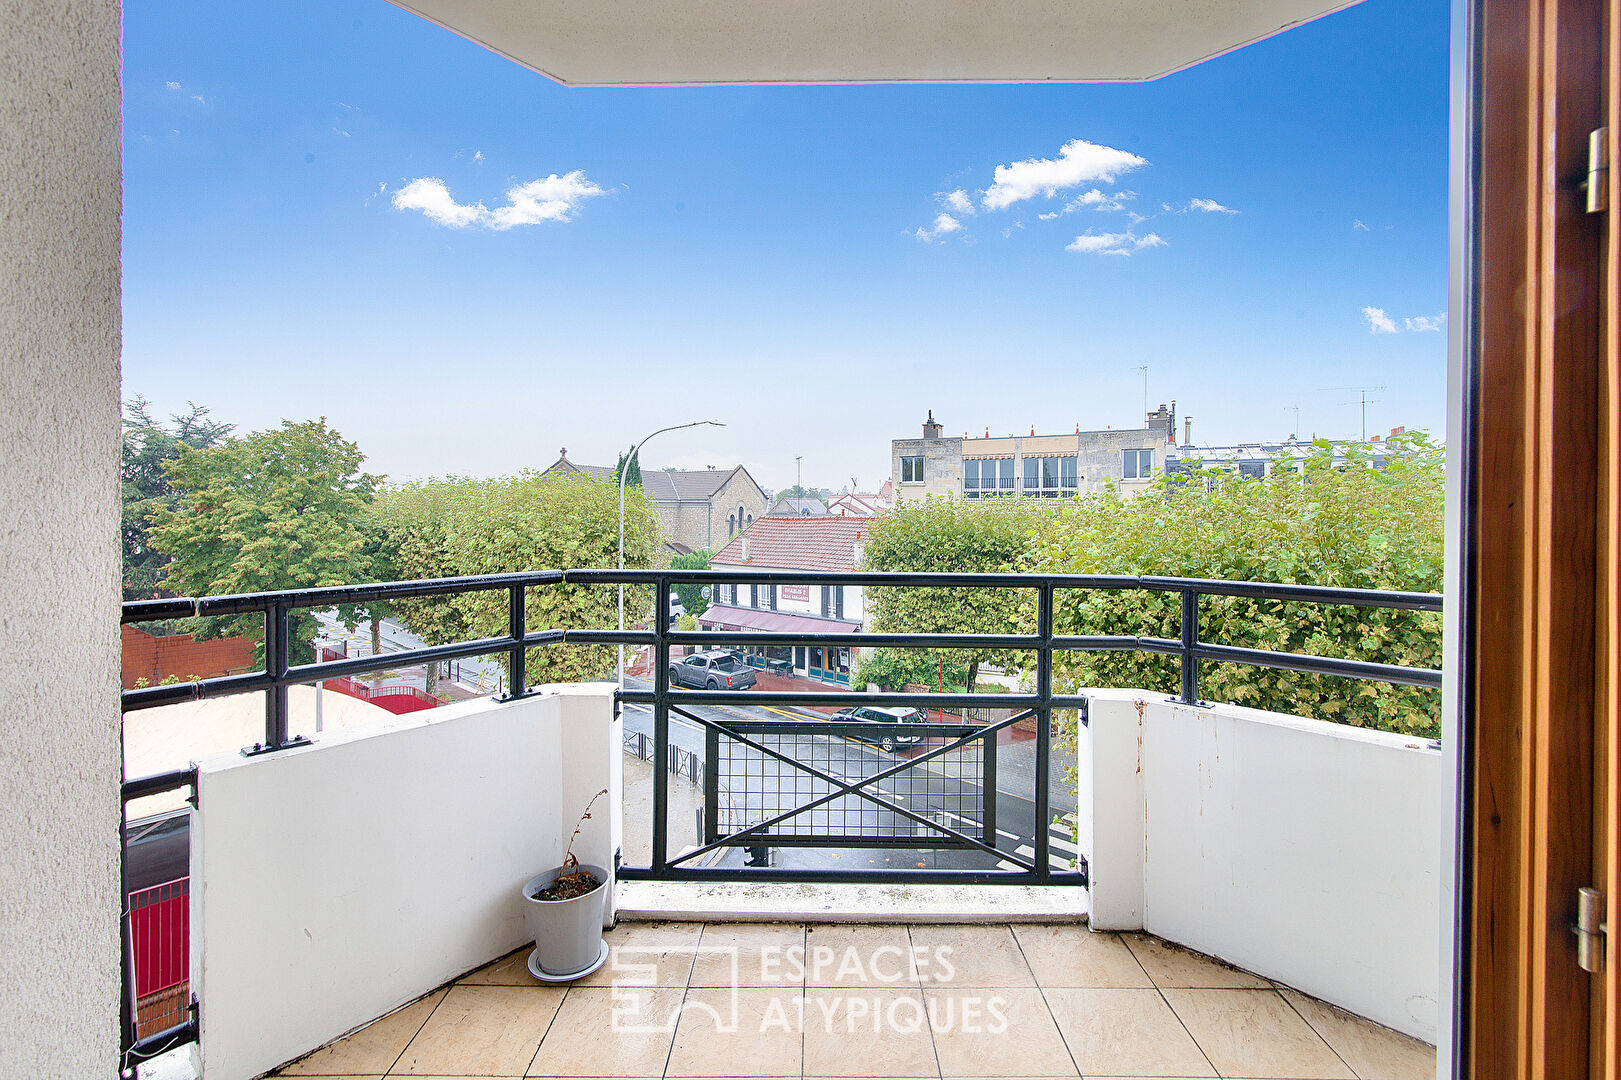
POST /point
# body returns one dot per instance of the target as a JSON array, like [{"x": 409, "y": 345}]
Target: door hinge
[
  {"x": 1590, "y": 929},
  {"x": 1597, "y": 183}
]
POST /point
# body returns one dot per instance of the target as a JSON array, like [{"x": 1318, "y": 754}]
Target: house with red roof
[{"x": 793, "y": 543}]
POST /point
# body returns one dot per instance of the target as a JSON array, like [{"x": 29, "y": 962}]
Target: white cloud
[
  {"x": 1381, "y": 322},
  {"x": 429, "y": 195},
  {"x": 1113, "y": 243},
  {"x": 1378, "y": 321},
  {"x": 198, "y": 98},
  {"x": 340, "y": 131},
  {"x": 1210, "y": 206},
  {"x": 956, "y": 200},
  {"x": 172, "y": 85},
  {"x": 478, "y": 156},
  {"x": 1094, "y": 200},
  {"x": 1078, "y": 162},
  {"x": 944, "y": 224},
  {"x": 556, "y": 198},
  {"x": 1356, "y": 223}
]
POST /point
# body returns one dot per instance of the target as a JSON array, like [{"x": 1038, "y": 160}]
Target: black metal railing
[{"x": 279, "y": 674}]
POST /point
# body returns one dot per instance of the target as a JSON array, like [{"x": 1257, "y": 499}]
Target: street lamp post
[{"x": 624, "y": 469}]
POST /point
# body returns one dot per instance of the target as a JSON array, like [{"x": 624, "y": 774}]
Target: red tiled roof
[{"x": 797, "y": 543}]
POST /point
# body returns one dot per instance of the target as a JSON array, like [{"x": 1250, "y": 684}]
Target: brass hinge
[
  {"x": 1590, "y": 929},
  {"x": 1597, "y": 183}
]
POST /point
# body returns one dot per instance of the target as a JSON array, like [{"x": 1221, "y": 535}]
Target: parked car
[
  {"x": 886, "y": 740},
  {"x": 676, "y": 610},
  {"x": 712, "y": 671}
]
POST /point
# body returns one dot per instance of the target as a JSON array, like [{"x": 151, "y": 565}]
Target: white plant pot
[{"x": 567, "y": 933}]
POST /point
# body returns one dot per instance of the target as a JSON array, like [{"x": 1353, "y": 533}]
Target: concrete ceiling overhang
[{"x": 688, "y": 42}]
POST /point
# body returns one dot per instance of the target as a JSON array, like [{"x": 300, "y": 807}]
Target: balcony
[
  {"x": 1019, "y": 1000},
  {"x": 339, "y": 878}
]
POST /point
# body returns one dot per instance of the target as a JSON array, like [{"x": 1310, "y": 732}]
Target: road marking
[{"x": 1054, "y": 861}]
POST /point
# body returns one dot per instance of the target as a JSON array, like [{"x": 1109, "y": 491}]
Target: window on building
[
  {"x": 832, "y": 601},
  {"x": 1139, "y": 464},
  {"x": 1004, "y": 480},
  {"x": 911, "y": 470},
  {"x": 1050, "y": 477},
  {"x": 728, "y": 594},
  {"x": 970, "y": 477},
  {"x": 1253, "y": 469}
]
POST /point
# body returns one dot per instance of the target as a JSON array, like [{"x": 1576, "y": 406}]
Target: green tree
[
  {"x": 278, "y": 509},
  {"x": 148, "y": 445},
  {"x": 691, "y": 596},
  {"x": 955, "y": 536},
  {"x": 1353, "y": 526},
  {"x": 633, "y": 473},
  {"x": 458, "y": 526},
  {"x": 895, "y": 669}
]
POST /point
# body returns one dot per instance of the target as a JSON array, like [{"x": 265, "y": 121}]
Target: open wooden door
[{"x": 1540, "y": 764}]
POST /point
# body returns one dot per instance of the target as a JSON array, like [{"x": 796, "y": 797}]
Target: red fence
[
  {"x": 396, "y": 699},
  {"x": 160, "y": 946}
]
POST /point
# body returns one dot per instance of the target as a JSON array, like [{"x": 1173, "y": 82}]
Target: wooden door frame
[{"x": 1536, "y": 683}]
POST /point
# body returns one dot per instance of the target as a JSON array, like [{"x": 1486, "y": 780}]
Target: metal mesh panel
[{"x": 755, "y": 786}]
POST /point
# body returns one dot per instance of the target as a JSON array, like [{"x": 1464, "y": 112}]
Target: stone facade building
[
  {"x": 698, "y": 508},
  {"x": 1048, "y": 466}
]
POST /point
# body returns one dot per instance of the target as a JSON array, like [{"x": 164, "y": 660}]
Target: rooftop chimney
[
  {"x": 1187, "y": 429},
  {"x": 931, "y": 430}
]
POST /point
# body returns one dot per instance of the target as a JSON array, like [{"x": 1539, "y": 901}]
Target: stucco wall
[
  {"x": 1304, "y": 851},
  {"x": 59, "y": 551},
  {"x": 342, "y": 880}
]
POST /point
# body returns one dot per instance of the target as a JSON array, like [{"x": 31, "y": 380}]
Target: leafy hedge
[
  {"x": 459, "y": 526},
  {"x": 1354, "y": 526}
]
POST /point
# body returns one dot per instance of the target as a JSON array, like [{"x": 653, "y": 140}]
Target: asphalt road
[{"x": 945, "y": 790}]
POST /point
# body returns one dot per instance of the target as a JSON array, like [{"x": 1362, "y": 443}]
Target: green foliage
[
  {"x": 1356, "y": 527},
  {"x": 691, "y": 596},
  {"x": 893, "y": 669},
  {"x": 959, "y": 536},
  {"x": 278, "y": 509},
  {"x": 633, "y": 474},
  {"x": 686, "y": 622},
  {"x": 796, "y": 492},
  {"x": 458, "y": 526},
  {"x": 148, "y": 445}
]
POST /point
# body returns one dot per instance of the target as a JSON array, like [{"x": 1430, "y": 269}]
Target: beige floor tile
[
  {"x": 607, "y": 1032},
  {"x": 1003, "y": 1031},
  {"x": 867, "y": 1032},
  {"x": 1373, "y": 1052},
  {"x": 872, "y": 955},
  {"x": 371, "y": 1050},
  {"x": 510, "y": 970},
  {"x": 749, "y": 1032},
  {"x": 1173, "y": 966},
  {"x": 750, "y": 954},
  {"x": 482, "y": 1031},
  {"x": 658, "y": 954},
  {"x": 1125, "y": 1032},
  {"x": 970, "y": 956},
  {"x": 335, "y": 1076},
  {"x": 1254, "y": 1033},
  {"x": 1070, "y": 954}
]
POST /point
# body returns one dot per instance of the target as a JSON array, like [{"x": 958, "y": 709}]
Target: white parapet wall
[
  {"x": 335, "y": 882},
  {"x": 1304, "y": 851}
]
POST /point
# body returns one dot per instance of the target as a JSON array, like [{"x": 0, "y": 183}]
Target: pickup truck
[{"x": 712, "y": 671}]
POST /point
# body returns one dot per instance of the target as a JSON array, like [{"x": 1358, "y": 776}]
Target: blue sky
[{"x": 753, "y": 255}]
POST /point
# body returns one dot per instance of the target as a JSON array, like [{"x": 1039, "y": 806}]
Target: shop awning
[{"x": 721, "y": 617}]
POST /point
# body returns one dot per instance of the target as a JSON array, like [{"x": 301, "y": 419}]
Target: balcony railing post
[
  {"x": 277, "y": 627},
  {"x": 1190, "y": 643},
  {"x": 661, "y": 723},
  {"x": 987, "y": 812},
  {"x": 1044, "y": 724},
  {"x": 517, "y": 680},
  {"x": 711, "y": 786}
]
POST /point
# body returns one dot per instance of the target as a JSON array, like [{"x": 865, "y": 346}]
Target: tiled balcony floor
[{"x": 979, "y": 1001}]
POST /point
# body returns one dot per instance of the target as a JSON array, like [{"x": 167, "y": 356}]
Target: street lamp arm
[{"x": 624, "y": 471}]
